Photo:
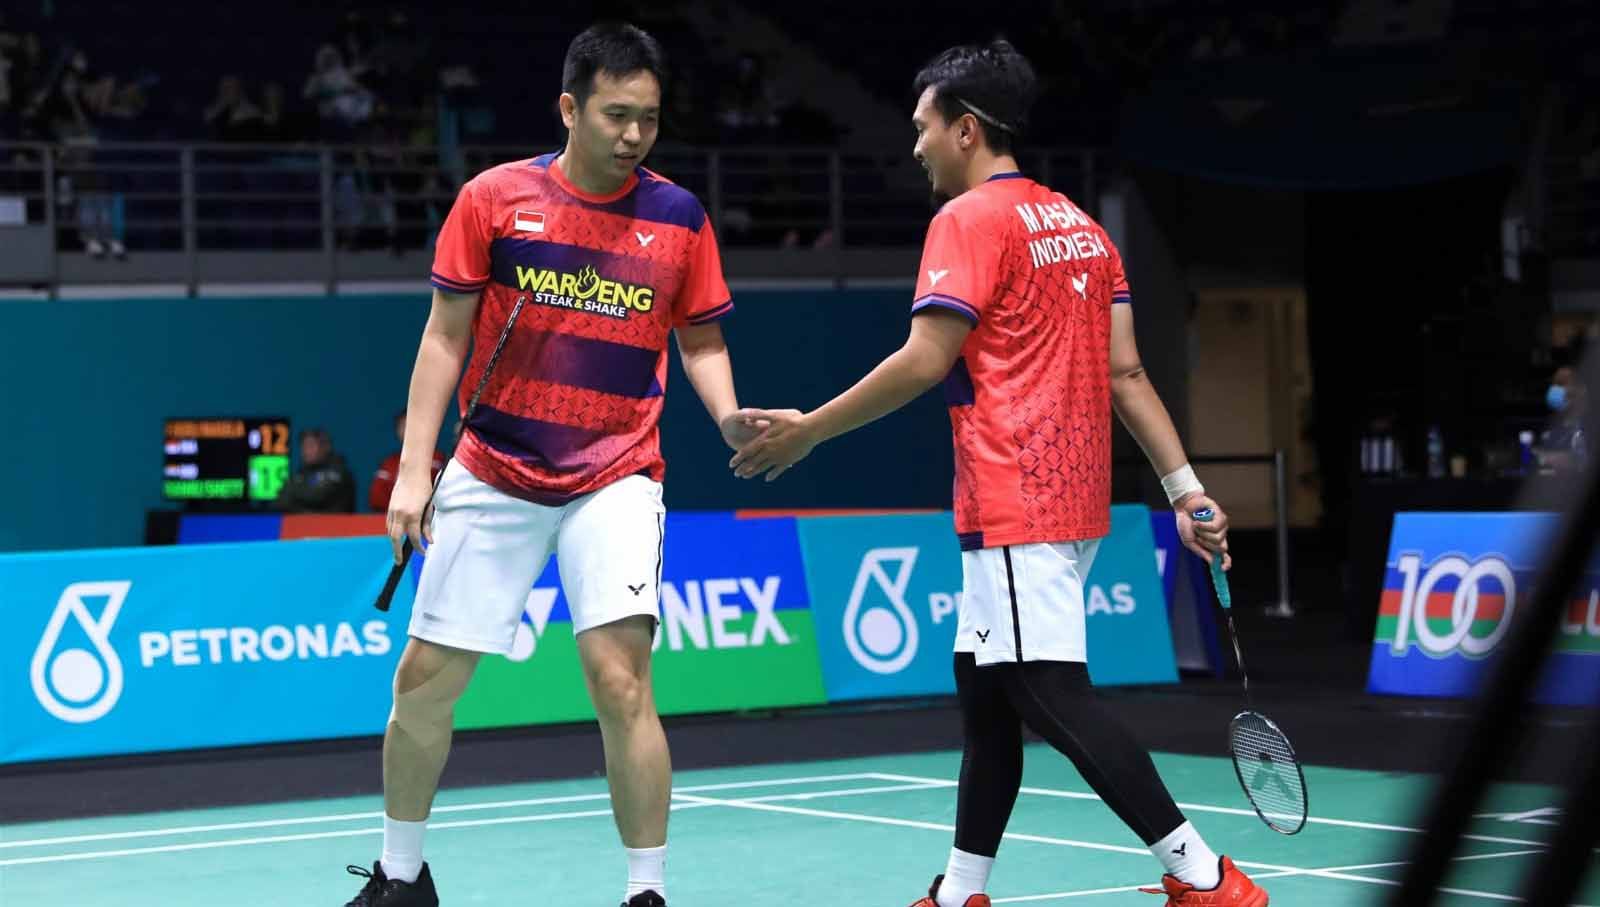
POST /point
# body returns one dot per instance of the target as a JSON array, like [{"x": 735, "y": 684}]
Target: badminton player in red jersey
[
  {"x": 562, "y": 454},
  {"x": 1023, "y": 310}
]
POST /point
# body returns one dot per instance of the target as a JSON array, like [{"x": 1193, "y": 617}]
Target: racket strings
[{"x": 1269, "y": 771}]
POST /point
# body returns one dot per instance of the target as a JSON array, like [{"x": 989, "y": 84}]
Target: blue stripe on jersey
[
  {"x": 946, "y": 302},
  {"x": 507, "y": 253},
  {"x": 548, "y": 445},
  {"x": 451, "y": 285},
  {"x": 716, "y": 314},
  {"x": 591, "y": 364}
]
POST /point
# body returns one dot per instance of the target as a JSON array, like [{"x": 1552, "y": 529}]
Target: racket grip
[
  {"x": 393, "y": 582},
  {"x": 1219, "y": 579}
]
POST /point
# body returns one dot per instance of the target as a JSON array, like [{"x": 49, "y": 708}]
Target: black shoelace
[{"x": 373, "y": 887}]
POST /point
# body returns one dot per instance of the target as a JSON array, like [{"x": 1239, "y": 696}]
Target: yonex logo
[
  {"x": 1081, "y": 284},
  {"x": 535, "y": 617},
  {"x": 75, "y": 674},
  {"x": 1182, "y": 850},
  {"x": 695, "y": 614},
  {"x": 935, "y": 276},
  {"x": 644, "y": 239},
  {"x": 983, "y": 636}
]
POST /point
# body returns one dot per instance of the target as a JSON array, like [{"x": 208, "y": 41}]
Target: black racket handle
[{"x": 393, "y": 582}]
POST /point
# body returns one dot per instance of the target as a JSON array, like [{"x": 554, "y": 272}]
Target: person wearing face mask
[{"x": 1565, "y": 444}]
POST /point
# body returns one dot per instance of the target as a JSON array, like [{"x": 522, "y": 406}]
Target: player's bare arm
[
  {"x": 445, "y": 341},
  {"x": 1146, "y": 418},
  {"x": 924, "y": 360},
  {"x": 710, "y": 370}
]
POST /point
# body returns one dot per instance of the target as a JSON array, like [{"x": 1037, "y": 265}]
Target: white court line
[
  {"x": 1065, "y": 842},
  {"x": 1222, "y": 810},
  {"x": 463, "y": 823},
  {"x": 465, "y": 807},
  {"x": 1061, "y": 895}
]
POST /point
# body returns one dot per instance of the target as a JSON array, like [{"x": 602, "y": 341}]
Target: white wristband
[{"x": 1180, "y": 482}]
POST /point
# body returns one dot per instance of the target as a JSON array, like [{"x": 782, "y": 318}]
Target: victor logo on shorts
[
  {"x": 882, "y": 635},
  {"x": 75, "y": 684}
]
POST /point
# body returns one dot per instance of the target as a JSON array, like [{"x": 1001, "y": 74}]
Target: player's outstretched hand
[
  {"x": 784, "y": 440},
  {"x": 738, "y": 430},
  {"x": 1205, "y": 539}
]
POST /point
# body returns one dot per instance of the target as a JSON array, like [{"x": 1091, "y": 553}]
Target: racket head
[{"x": 1269, "y": 771}]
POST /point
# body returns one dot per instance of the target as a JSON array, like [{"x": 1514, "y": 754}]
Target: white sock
[
  {"x": 647, "y": 870},
  {"x": 1187, "y": 858},
  {"x": 965, "y": 875},
  {"x": 402, "y": 848}
]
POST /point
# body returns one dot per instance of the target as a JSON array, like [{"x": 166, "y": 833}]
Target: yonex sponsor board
[
  {"x": 1452, "y": 584},
  {"x": 138, "y": 650},
  {"x": 736, "y": 632}
]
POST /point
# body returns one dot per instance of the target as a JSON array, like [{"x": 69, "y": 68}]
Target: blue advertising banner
[
  {"x": 885, "y": 590},
  {"x": 146, "y": 649},
  {"x": 1451, "y": 585},
  {"x": 884, "y": 593},
  {"x": 1129, "y": 638}
]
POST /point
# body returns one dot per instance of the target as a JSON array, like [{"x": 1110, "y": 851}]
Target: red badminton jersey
[
  {"x": 1030, "y": 397},
  {"x": 575, "y": 400}
]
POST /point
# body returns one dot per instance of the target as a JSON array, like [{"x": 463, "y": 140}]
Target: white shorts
[
  {"x": 1025, "y": 602},
  {"x": 489, "y": 547}
]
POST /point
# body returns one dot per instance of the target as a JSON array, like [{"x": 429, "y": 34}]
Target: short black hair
[
  {"x": 993, "y": 82},
  {"x": 615, "y": 48}
]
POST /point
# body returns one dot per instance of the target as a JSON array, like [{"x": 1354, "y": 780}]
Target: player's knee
[
  {"x": 425, "y": 693},
  {"x": 621, "y": 693}
]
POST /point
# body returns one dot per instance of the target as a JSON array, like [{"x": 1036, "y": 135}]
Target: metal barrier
[{"x": 334, "y": 203}]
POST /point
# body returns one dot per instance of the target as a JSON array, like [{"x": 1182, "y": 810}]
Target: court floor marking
[
  {"x": 464, "y": 807},
  {"x": 463, "y": 823},
  {"x": 1061, "y": 895},
  {"x": 1224, "y": 810},
  {"x": 1065, "y": 842}
]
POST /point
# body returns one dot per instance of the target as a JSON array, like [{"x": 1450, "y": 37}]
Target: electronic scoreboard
[{"x": 244, "y": 460}]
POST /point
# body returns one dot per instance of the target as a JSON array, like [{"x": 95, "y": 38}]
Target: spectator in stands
[
  {"x": 274, "y": 119},
  {"x": 383, "y": 480},
  {"x": 398, "y": 75},
  {"x": 324, "y": 483},
  {"x": 1565, "y": 444},
  {"x": 9, "y": 45},
  {"x": 1220, "y": 41},
  {"x": 343, "y": 103},
  {"x": 21, "y": 69},
  {"x": 748, "y": 108},
  {"x": 233, "y": 117}
]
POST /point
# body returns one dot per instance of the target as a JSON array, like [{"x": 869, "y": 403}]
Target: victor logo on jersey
[{"x": 585, "y": 291}]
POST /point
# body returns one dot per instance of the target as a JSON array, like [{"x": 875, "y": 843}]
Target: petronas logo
[{"x": 79, "y": 683}]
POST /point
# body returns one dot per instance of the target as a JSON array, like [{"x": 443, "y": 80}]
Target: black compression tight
[{"x": 1056, "y": 701}]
